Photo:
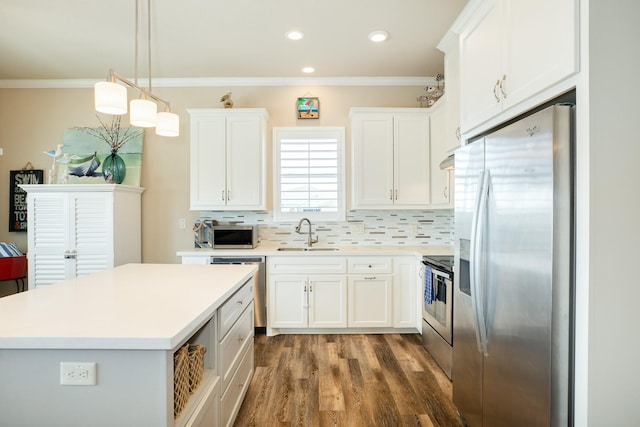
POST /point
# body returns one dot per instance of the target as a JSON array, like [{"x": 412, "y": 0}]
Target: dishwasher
[{"x": 259, "y": 290}]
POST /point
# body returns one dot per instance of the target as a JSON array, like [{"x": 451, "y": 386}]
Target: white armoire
[{"x": 75, "y": 230}]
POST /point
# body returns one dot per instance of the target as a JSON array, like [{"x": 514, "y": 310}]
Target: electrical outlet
[
  {"x": 77, "y": 373},
  {"x": 357, "y": 228},
  {"x": 182, "y": 224}
]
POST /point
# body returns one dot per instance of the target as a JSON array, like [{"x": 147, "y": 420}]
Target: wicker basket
[
  {"x": 180, "y": 380},
  {"x": 196, "y": 365}
]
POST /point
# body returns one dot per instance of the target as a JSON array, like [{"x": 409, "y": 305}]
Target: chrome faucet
[{"x": 311, "y": 240}]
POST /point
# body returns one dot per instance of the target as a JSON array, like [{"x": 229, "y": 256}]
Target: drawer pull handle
[
  {"x": 240, "y": 302},
  {"x": 370, "y": 278},
  {"x": 240, "y": 385},
  {"x": 240, "y": 338}
]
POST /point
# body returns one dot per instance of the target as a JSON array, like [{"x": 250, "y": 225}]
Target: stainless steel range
[{"x": 437, "y": 309}]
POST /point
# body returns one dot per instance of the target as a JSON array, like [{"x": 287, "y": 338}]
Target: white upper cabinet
[
  {"x": 391, "y": 158},
  {"x": 440, "y": 181},
  {"x": 512, "y": 50},
  {"x": 228, "y": 159},
  {"x": 449, "y": 46}
]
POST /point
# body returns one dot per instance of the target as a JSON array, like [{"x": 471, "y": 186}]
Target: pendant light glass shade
[
  {"x": 168, "y": 124},
  {"x": 143, "y": 113},
  {"x": 110, "y": 98}
]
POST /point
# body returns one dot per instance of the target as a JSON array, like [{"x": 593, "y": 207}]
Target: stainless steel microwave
[{"x": 234, "y": 236}]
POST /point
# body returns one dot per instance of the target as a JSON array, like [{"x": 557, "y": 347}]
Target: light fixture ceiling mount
[
  {"x": 295, "y": 35},
  {"x": 378, "y": 36}
]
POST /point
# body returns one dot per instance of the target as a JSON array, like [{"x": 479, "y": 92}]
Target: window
[{"x": 308, "y": 174}]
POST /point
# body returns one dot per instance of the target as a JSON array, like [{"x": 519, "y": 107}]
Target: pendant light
[
  {"x": 111, "y": 97},
  {"x": 143, "y": 113}
]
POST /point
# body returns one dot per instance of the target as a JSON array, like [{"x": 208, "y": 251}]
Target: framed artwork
[
  {"x": 308, "y": 108},
  {"x": 18, "y": 197},
  {"x": 86, "y": 156}
]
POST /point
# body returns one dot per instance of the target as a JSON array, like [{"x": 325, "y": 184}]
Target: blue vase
[{"x": 113, "y": 168}]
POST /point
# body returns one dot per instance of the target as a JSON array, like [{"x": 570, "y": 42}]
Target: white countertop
[
  {"x": 134, "y": 306},
  {"x": 272, "y": 250}
]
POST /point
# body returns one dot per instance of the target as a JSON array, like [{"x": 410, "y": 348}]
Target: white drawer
[
  {"x": 233, "y": 307},
  {"x": 232, "y": 398},
  {"x": 366, "y": 265},
  {"x": 233, "y": 345},
  {"x": 306, "y": 265}
]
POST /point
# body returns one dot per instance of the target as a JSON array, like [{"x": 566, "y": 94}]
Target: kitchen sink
[{"x": 308, "y": 249}]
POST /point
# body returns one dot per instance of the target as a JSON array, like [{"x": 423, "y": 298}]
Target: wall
[
  {"x": 609, "y": 343},
  {"x": 33, "y": 120}
]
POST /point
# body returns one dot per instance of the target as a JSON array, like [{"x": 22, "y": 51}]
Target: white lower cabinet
[
  {"x": 232, "y": 398},
  {"x": 302, "y": 300},
  {"x": 356, "y": 292},
  {"x": 407, "y": 291},
  {"x": 370, "y": 292},
  {"x": 370, "y": 301},
  {"x": 235, "y": 351}
]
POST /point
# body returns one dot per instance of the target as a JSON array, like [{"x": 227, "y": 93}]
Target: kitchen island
[{"x": 128, "y": 321}]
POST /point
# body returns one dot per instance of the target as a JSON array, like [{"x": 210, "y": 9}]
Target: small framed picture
[{"x": 308, "y": 108}]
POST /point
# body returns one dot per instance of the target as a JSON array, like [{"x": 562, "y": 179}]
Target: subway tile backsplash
[{"x": 381, "y": 228}]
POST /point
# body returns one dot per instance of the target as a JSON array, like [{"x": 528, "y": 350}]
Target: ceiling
[{"x": 83, "y": 39}]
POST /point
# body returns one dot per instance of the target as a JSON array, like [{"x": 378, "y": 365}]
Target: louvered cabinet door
[
  {"x": 48, "y": 239},
  {"x": 92, "y": 232},
  {"x": 78, "y": 229}
]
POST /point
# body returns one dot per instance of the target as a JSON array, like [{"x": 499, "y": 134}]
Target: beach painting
[{"x": 308, "y": 108}]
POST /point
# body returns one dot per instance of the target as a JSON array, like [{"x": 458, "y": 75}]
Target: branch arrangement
[{"x": 113, "y": 134}]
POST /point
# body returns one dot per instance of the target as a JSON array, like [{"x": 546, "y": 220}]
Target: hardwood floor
[{"x": 346, "y": 380}]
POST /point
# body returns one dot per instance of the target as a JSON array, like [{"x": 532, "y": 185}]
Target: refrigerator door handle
[{"x": 477, "y": 262}]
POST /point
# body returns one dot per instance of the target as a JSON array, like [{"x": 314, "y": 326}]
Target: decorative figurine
[
  {"x": 226, "y": 100},
  {"x": 56, "y": 154}
]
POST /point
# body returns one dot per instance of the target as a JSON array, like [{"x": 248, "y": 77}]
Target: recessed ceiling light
[
  {"x": 308, "y": 70},
  {"x": 295, "y": 35},
  {"x": 378, "y": 36}
]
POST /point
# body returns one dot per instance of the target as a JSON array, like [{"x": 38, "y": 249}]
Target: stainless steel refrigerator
[{"x": 513, "y": 290}]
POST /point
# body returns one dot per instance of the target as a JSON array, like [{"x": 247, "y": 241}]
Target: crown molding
[{"x": 225, "y": 81}]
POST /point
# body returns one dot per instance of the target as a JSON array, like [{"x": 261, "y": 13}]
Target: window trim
[{"x": 305, "y": 132}]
